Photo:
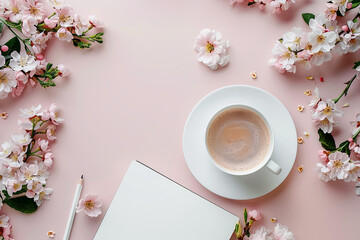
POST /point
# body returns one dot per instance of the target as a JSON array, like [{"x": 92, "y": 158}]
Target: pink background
[{"x": 129, "y": 99}]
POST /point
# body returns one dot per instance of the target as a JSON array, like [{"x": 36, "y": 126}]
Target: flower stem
[{"x": 344, "y": 92}]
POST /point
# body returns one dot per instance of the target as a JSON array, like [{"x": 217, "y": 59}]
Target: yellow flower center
[
  {"x": 328, "y": 110},
  {"x": 15, "y": 10},
  {"x": 353, "y": 41},
  {"x": 34, "y": 11},
  {"x": 63, "y": 18},
  {"x": 209, "y": 47},
  {"x": 320, "y": 39},
  {"x": 325, "y": 121},
  {"x": 297, "y": 40},
  {"x": 62, "y": 35},
  {"x": 338, "y": 163},
  {"x": 16, "y": 185},
  {"x": 3, "y": 79},
  {"x": 308, "y": 47},
  {"x": 23, "y": 61},
  {"x": 287, "y": 55},
  {"x": 89, "y": 204},
  {"x": 42, "y": 195}
]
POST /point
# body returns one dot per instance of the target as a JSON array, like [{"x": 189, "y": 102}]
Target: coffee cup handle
[{"x": 273, "y": 167}]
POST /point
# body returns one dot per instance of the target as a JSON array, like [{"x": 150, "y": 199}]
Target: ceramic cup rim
[{"x": 271, "y": 147}]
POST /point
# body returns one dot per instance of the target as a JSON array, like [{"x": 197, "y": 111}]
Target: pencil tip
[{"x": 82, "y": 176}]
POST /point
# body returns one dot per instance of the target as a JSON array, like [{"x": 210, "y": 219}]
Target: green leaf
[
  {"x": 245, "y": 215},
  {"x": 14, "y": 45},
  {"x": 81, "y": 44},
  {"x": 307, "y": 17},
  {"x": 1, "y": 26},
  {"x": 22, "y": 204},
  {"x": 327, "y": 140},
  {"x": 251, "y": 3},
  {"x": 344, "y": 147}
]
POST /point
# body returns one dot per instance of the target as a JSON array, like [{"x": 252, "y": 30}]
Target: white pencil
[{"x": 73, "y": 209}]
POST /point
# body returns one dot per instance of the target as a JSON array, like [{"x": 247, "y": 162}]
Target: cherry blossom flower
[
  {"x": 34, "y": 9},
  {"x": 284, "y": 59},
  {"x": 80, "y": 25},
  {"x": 7, "y": 80},
  {"x": 21, "y": 139},
  {"x": 319, "y": 39},
  {"x": 66, "y": 16},
  {"x": 331, "y": 11},
  {"x": 43, "y": 195},
  {"x": 339, "y": 165},
  {"x": 52, "y": 22},
  {"x": 323, "y": 155},
  {"x": 324, "y": 115},
  {"x": 14, "y": 10},
  {"x": 39, "y": 41},
  {"x": 48, "y": 159},
  {"x": 4, "y": 221},
  {"x": 212, "y": 49},
  {"x": 7, "y": 232},
  {"x": 90, "y": 205},
  {"x": 29, "y": 25},
  {"x": 22, "y": 62},
  {"x": 342, "y": 4},
  {"x": 254, "y": 214},
  {"x": 354, "y": 172},
  {"x": 57, "y": 3},
  {"x": 54, "y": 115},
  {"x": 31, "y": 112},
  {"x": 64, "y": 71},
  {"x": 12, "y": 186},
  {"x": 64, "y": 35},
  {"x": 7, "y": 149},
  {"x": 323, "y": 171},
  {"x": 261, "y": 234},
  {"x": 51, "y": 132},
  {"x": 282, "y": 232},
  {"x": 294, "y": 39},
  {"x": 95, "y": 22}
]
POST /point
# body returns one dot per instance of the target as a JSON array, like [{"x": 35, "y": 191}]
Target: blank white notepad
[{"x": 150, "y": 206}]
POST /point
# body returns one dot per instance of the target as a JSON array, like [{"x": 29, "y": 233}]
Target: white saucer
[{"x": 239, "y": 187}]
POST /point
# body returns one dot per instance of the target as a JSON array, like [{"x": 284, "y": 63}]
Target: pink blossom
[
  {"x": 7, "y": 232},
  {"x": 48, "y": 159},
  {"x": 34, "y": 187},
  {"x": 64, "y": 71},
  {"x": 21, "y": 77},
  {"x": 34, "y": 9},
  {"x": 90, "y": 205},
  {"x": 330, "y": 11},
  {"x": 95, "y": 22},
  {"x": 323, "y": 155},
  {"x": 43, "y": 145},
  {"x": 64, "y": 35},
  {"x": 51, "y": 132},
  {"x": 29, "y": 26},
  {"x": 66, "y": 16},
  {"x": 81, "y": 25},
  {"x": 254, "y": 214},
  {"x": 52, "y": 22},
  {"x": 4, "y": 221},
  {"x": 39, "y": 41},
  {"x": 13, "y": 185},
  {"x": 261, "y": 234},
  {"x": 282, "y": 232},
  {"x": 43, "y": 195},
  {"x": 54, "y": 112},
  {"x": 212, "y": 49},
  {"x": 18, "y": 90},
  {"x": 356, "y": 124},
  {"x": 14, "y": 10}
]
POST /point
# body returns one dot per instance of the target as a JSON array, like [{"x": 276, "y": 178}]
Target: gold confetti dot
[
  {"x": 345, "y": 105},
  {"x": 300, "y": 108},
  {"x": 273, "y": 220},
  {"x": 300, "y": 140},
  {"x": 307, "y": 92},
  {"x": 4, "y": 115},
  {"x": 300, "y": 168},
  {"x": 253, "y": 75},
  {"x": 306, "y": 134},
  {"x": 310, "y": 78},
  {"x": 51, "y": 234}
]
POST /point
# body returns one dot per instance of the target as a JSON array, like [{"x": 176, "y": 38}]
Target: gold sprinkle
[
  {"x": 273, "y": 220},
  {"x": 306, "y": 134},
  {"x": 253, "y": 75},
  {"x": 4, "y": 115},
  {"x": 307, "y": 92},
  {"x": 300, "y": 108},
  {"x": 300, "y": 140},
  {"x": 51, "y": 234},
  {"x": 300, "y": 168},
  {"x": 310, "y": 78},
  {"x": 345, "y": 105}
]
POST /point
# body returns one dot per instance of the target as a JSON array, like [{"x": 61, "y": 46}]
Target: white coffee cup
[{"x": 270, "y": 164}]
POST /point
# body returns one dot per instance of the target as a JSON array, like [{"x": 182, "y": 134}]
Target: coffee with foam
[{"x": 238, "y": 139}]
